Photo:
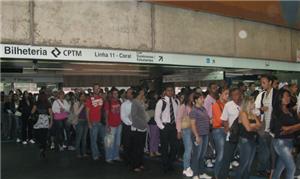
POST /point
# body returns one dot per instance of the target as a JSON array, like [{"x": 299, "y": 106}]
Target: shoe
[
  {"x": 18, "y": 140},
  {"x": 79, "y": 156},
  {"x": 64, "y": 146},
  {"x": 71, "y": 148},
  {"x": 213, "y": 161},
  {"x": 118, "y": 160},
  {"x": 61, "y": 148},
  {"x": 31, "y": 141},
  {"x": 96, "y": 158},
  {"x": 85, "y": 155},
  {"x": 142, "y": 167},
  {"x": 188, "y": 172},
  {"x": 109, "y": 161},
  {"x": 24, "y": 142},
  {"x": 209, "y": 164},
  {"x": 52, "y": 147},
  {"x": 205, "y": 176},
  {"x": 152, "y": 154},
  {"x": 230, "y": 167},
  {"x": 42, "y": 153},
  {"x": 235, "y": 163},
  {"x": 297, "y": 177},
  {"x": 196, "y": 177},
  {"x": 157, "y": 154},
  {"x": 137, "y": 170}
]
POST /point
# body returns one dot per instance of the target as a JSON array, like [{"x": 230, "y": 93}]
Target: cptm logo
[{"x": 55, "y": 52}]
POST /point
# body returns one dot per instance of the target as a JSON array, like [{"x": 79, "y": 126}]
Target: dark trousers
[
  {"x": 168, "y": 139},
  {"x": 266, "y": 154},
  {"x": 27, "y": 128},
  {"x": 137, "y": 148},
  {"x": 60, "y": 128},
  {"x": 41, "y": 137},
  {"x": 229, "y": 150},
  {"x": 126, "y": 135}
]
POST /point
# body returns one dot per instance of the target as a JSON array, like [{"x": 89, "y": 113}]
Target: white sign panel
[
  {"x": 123, "y": 56},
  {"x": 298, "y": 55}
]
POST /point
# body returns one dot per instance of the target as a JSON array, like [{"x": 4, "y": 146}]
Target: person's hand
[
  {"x": 50, "y": 124},
  {"x": 287, "y": 130},
  {"x": 179, "y": 135},
  {"x": 198, "y": 140},
  {"x": 90, "y": 125},
  {"x": 62, "y": 109},
  {"x": 108, "y": 129},
  {"x": 265, "y": 108}
]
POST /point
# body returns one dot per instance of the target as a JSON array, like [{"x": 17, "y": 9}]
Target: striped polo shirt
[{"x": 202, "y": 120}]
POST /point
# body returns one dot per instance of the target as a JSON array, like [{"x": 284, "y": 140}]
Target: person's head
[
  {"x": 275, "y": 84},
  {"x": 181, "y": 97},
  {"x": 242, "y": 87},
  {"x": 235, "y": 95},
  {"x": 15, "y": 98},
  {"x": 189, "y": 98},
  {"x": 61, "y": 95},
  {"x": 19, "y": 92},
  {"x": 139, "y": 92},
  {"x": 266, "y": 82},
  {"x": 169, "y": 90},
  {"x": 82, "y": 97},
  {"x": 25, "y": 95},
  {"x": 96, "y": 89},
  {"x": 42, "y": 98},
  {"x": 198, "y": 99},
  {"x": 252, "y": 86},
  {"x": 115, "y": 93},
  {"x": 213, "y": 89},
  {"x": 282, "y": 99},
  {"x": 129, "y": 94},
  {"x": 223, "y": 93},
  {"x": 293, "y": 88},
  {"x": 248, "y": 104}
]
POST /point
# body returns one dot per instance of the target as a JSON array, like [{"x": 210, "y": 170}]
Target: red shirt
[
  {"x": 94, "y": 104},
  {"x": 113, "y": 109},
  {"x": 217, "y": 110}
]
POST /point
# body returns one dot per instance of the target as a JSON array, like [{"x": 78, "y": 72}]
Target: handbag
[
  {"x": 61, "y": 115},
  {"x": 234, "y": 131}
]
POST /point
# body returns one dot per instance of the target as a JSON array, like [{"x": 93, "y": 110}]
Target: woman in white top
[{"x": 60, "y": 110}]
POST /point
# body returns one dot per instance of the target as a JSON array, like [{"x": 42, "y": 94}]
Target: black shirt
[{"x": 284, "y": 119}]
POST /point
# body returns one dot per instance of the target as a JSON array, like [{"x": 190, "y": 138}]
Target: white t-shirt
[
  {"x": 298, "y": 103},
  {"x": 230, "y": 112}
]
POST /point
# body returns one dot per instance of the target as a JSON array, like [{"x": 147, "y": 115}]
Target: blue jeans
[
  {"x": 247, "y": 150},
  {"x": 81, "y": 134},
  {"x": 112, "y": 152},
  {"x": 283, "y": 149},
  {"x": 96, "y": 132},
  {"x": 187, "y": 142},
  {"x": 219, "y": 140},
  {"x": 18, "y": 130},
  {"x": 198, "y": 155},
  {"x": 265, "y": 154}
]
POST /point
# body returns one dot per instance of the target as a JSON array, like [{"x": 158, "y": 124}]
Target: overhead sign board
[{"x": 123, "y": 56}]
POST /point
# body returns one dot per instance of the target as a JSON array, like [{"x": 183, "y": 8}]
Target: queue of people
[{"x": 217, "y": 128}]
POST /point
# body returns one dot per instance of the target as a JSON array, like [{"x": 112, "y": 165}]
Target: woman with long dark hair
[
  {"x": 283, "y": 117},
  {"x": 183, "y": 126},
  {"x": 27, "y": 126},
  {"x": 42, "y": 110}
]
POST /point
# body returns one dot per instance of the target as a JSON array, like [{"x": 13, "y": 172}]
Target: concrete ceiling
[{"x": 283, "y": 13}]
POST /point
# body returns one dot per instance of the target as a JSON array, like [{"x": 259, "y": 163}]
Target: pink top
[{"x": 181, "y": 113}]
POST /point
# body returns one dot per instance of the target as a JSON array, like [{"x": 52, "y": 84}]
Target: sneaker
[
  {"x": 18, "y": 140},
  {"x": 24, "y": 142},
  {"x": 205, "y": 176},
  {"x": 109, "y": 161},
  {"x": 71, "y": 148},
  {"x": 209, "y": 164},
  {"x": 188, "y": 172},
  {"x": 61, "y": 148},
  {"x": 52, "y": 147},
  {"x": 151, "y": 154},
  {"x": 157, "y": 154},
  {"x": 297, "y": 177},
  {"x": 235, "y": 163},
  {"x": 230, "y": 167},
  {"x": 64, "y": 146},
  {"x": 196, "y": 177},
  {"x": 213, "y": 160},
  {"x": 31, "y": 141}
]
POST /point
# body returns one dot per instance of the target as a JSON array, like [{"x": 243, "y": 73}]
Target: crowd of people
[{"x": 221, "y": 128}]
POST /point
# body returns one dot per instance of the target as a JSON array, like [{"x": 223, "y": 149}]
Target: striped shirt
[{"x": 202, "y": 120}]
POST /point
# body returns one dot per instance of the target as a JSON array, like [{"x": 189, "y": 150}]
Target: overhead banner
[{"x": 14, "y": 51}]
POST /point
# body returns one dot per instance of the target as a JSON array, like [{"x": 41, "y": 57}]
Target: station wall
[{"x": 143, "y": 26}]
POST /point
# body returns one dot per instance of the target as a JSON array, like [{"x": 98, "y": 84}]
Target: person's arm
[
  {"x": 88, "y": 114},
  {"x": 158, "y": 114},
  {"x": 180, "y": 114},
  {"x": 51, "y": 117},
  {"x": 33, "y": 109},
  {"x": 67, "y": 106},
  {"x": 224, "y": 118},
  {"x": 195, "y": 131},
  {"x": 290, "y": 129},
  {"x": 55, "y": 107},
  {"x": 245, "y": 122},
  {"x": 125, "y": 114},
  {"x": 258, "y": 122}
]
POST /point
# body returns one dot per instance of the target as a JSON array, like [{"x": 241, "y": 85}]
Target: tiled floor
[{"x": 23, "y": 162}]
